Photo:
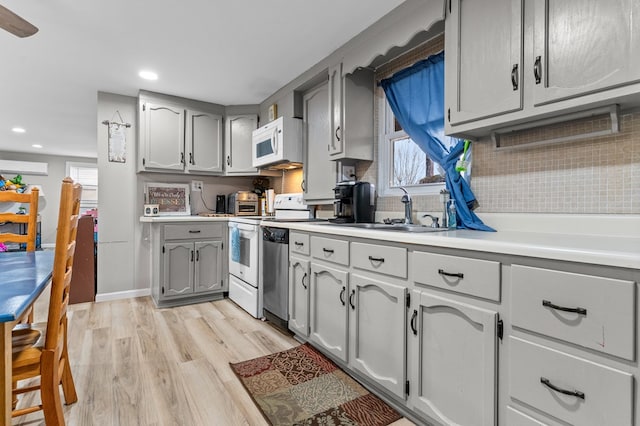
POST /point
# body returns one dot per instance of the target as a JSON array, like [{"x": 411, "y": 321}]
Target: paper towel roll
[{"x": 271, "y": 196}]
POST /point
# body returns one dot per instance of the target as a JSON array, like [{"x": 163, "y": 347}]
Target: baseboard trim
[{"x": 128, "y": 294}]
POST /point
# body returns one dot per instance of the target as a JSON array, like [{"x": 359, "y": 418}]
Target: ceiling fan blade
[{"x": 15, "y": 24}]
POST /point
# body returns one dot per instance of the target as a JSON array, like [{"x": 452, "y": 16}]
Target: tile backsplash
[{"x": 591, "y": 175}]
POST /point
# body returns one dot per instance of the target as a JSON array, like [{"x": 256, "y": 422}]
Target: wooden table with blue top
[{"x": 23, "y": 277}]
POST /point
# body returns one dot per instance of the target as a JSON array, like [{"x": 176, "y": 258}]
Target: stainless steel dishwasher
[{"x": 275, "y": 275}]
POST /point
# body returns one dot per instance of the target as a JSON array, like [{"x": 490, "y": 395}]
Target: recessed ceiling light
[
  {"x": 18, "y": 130},
  {"x": 148, "y": 75},
  {"x": 36, "y": 145}
]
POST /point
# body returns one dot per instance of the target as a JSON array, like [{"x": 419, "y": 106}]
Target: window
[
  {"x": 402, "y": 162},
  {"x": 86, "y": 174}
]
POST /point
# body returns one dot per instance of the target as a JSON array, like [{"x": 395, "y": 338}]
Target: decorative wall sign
[
  {"x": 172, "y": 198},
  {"x": 117, "y": 139},
  {"x": 273, "y": 112}
]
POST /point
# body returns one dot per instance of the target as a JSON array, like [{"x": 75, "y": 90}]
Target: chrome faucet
[{"x": 408, "y": 206}]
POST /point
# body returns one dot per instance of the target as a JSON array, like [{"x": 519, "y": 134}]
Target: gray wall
[{"x": 50, "y": 185}]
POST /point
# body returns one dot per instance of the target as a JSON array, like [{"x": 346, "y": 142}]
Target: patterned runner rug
[{"x": 300, "y": 386}]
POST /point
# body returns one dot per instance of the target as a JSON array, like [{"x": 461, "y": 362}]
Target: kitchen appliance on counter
[
  {"x": 278, "y": 142},
  {"x": 221, "y": 204},
  {"x": 274, "y": 256},
  {"x": 243, "y": 203},
  {"x": 355, "y": 202}
]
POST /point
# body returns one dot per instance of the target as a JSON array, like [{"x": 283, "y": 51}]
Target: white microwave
[{"x": 277, "y": 142}]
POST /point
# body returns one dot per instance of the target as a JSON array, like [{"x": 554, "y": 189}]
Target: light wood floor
[{"x": 137, "y": 365}]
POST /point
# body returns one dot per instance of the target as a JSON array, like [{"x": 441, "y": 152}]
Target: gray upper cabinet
[
  {"x": 584, "y": 46},
  {"x": 512, "y": 63},
  {"x": 483, "y": 59},
  {"x": 179, "y": 135},
  {"x": 320, "y": 173},
  {"x": 161, "y": 136},
  {"x": 351, "y": 114},
  {"x": 238, "y": 129},
  {"x": 203, "y": 141}
]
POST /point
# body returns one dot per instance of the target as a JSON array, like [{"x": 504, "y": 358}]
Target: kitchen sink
[{"x": 392, "y": 227}]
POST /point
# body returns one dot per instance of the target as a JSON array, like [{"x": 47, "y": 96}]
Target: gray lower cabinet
[
  {"x": 377, "y": 331},
  {"x": 299, "y": 279},
  {"x": 453, "y": 360},
  {"x": 189, "y": 264},
  {"x": 328, "y": 309}
]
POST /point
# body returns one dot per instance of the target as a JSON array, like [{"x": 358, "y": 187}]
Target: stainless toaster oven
[{"x": 243, "y": 203}]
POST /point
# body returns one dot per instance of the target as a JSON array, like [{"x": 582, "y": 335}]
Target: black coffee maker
[{"x": 355, "y": 202}]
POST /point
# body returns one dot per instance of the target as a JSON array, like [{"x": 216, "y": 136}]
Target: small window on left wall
[{"x": 86, "y": 174}]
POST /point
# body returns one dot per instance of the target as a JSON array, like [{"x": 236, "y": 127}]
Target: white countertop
[
  {"x": 618, "y": 251},
  {"x": 594, "y": 249}
]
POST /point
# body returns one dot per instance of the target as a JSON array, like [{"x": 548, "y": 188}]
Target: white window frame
[
  {"x": 92, "y": 202},
  {"x": 385, "y": 156}
]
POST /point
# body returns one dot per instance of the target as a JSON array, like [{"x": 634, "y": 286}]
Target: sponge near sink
[{"x": 463, "y": 163}]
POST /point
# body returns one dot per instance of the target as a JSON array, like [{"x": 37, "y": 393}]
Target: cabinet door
[
  {"x": 299, "y": 278},
  {"x": 335, "y": 109},
  {"x": 453, "y": 360},
  {"x": 208, "y": 266},
  {"x": 238, "y": 143},
  {"x": 163, "y": 137},
  {"x": 483, "y": 59},
  {"x": 204, "y": 142},
  {"x": 377, "y": 331},
  {"x": 584, "y": 46},
  {"x": 178, "y": 270},
  {"x": 328, "y": 301},
  {"x": 319, "y": 171}
]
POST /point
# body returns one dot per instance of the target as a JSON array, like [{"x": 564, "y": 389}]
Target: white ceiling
[{"x": 226, "y": 52}]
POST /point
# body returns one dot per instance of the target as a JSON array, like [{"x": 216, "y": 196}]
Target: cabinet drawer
[
  {"x": 332, "y": 250},
  {"x": 515, "y": 417},
  {"x": 381, "y": 259},
  {"x": 607, "y": 394},
  {"x": 460, "y": 274},
  {"x": 299, "y": 243},
  {"x": 193, "y": 231},
  {"x": 606, "y": 322}
]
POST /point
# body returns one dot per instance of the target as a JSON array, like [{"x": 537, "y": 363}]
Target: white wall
[
  {"x": 117, "y": 208},
  {"x": 50, "y": 186}
]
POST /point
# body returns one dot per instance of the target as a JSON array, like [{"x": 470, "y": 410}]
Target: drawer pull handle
[
  {"x": 326, "y": 250},
  {"x": 353, "y": 293},
  {"x": 551, "y": 386},
  {"x": 302, "y": 280},
  {"x": 194, "y": 231},
  {"x": 342, "y": 296},
  {"x": 376, "y": 259},
  {"x": 298, "y": 244},
  {"x": 451, "y": 274},
  {"x": 579, "y": 311},
  {"x": 413, "y": 322}
]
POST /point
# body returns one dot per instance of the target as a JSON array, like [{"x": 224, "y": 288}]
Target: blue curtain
[{"x": 416, "y": 97}]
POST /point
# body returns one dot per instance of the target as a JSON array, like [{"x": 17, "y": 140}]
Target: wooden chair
[
  {"x": 30, "y": 219},
  {"x": 48, "y": 358}
]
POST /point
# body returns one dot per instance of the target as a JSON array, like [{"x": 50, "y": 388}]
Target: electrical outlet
[
  {"x": 348, "y": 173},
  {"x": 196, "y": 185}
]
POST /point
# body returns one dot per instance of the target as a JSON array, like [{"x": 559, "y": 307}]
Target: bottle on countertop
[{"x": 453, "y": 215}]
